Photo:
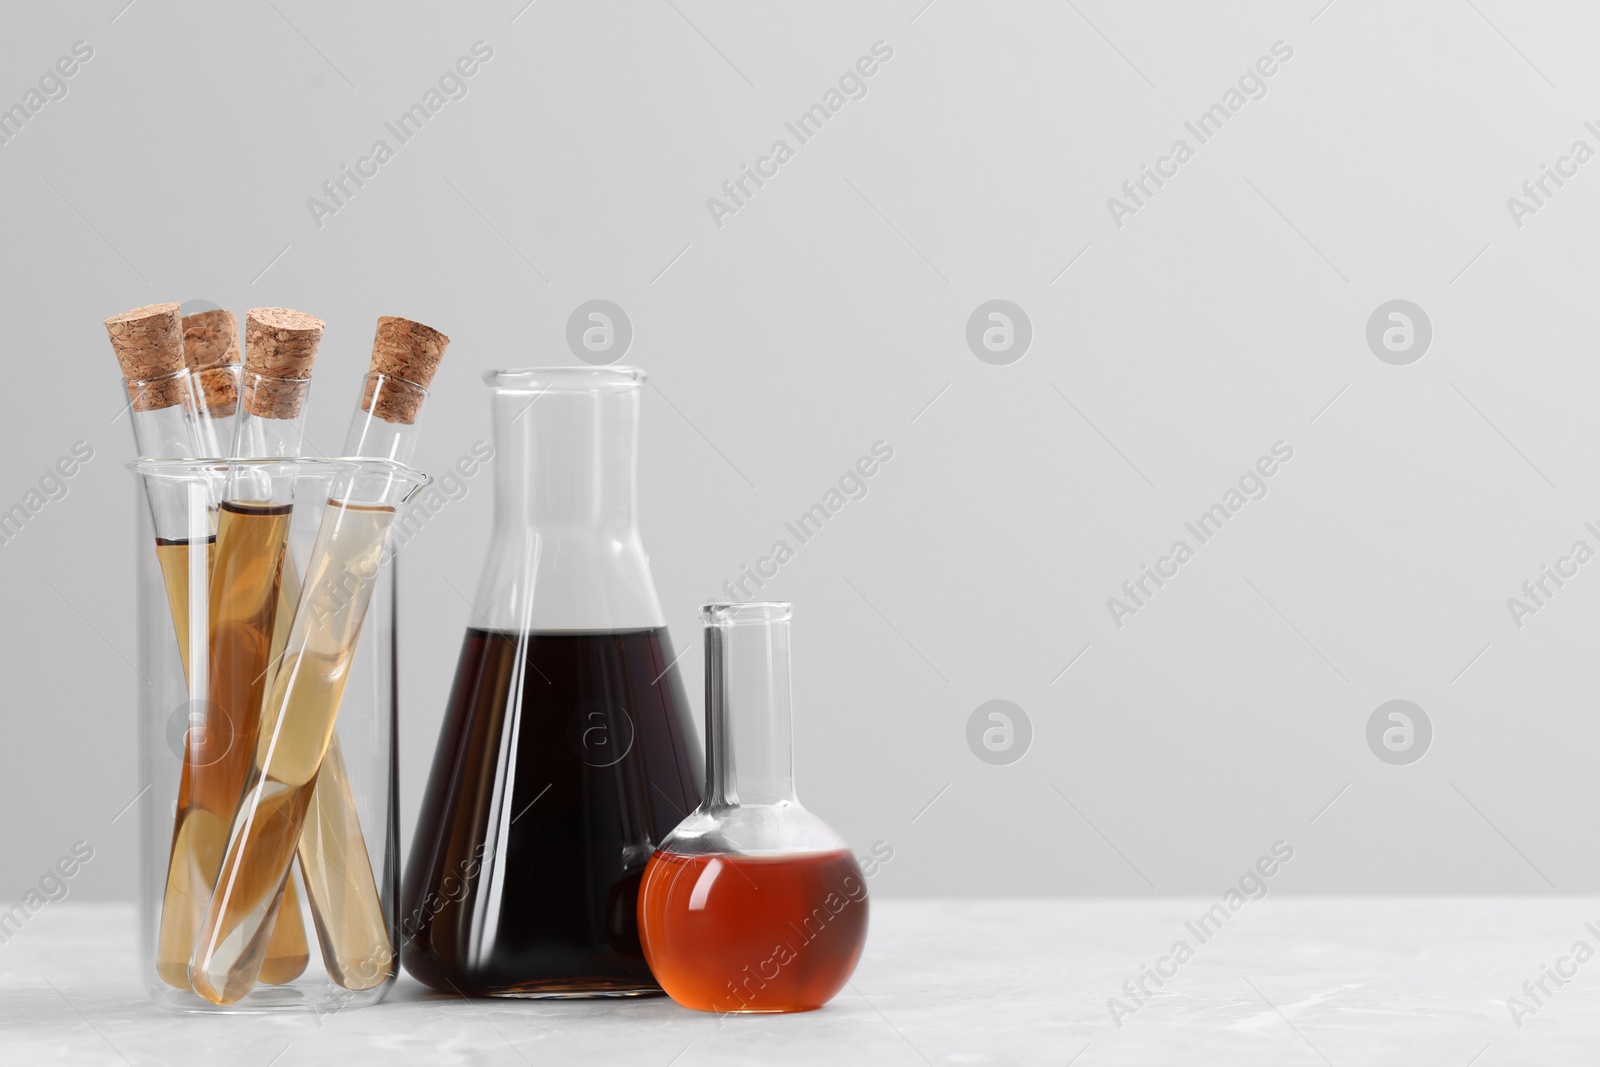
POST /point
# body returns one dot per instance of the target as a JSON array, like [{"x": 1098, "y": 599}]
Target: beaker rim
[
  {"x": 211, "y": 466},
  {"x": 567, "y": 379},
  {"x": 728, "y": 612}
]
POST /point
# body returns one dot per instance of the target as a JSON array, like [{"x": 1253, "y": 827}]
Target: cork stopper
[
  {"x": 280, "y": 345},
  {"x": 211, "y": 349},
  {"x": 148, "y": 342},
  {"x": 408, "y": 351},
  {"x": 210, "y": 339}
]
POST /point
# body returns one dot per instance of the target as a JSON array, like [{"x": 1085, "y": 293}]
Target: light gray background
[{"x": 830, "y": 313}]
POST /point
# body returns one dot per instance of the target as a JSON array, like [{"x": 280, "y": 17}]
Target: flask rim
[
  {"x": 731, "y": 613},
  {"x": 566, "y": 379}
]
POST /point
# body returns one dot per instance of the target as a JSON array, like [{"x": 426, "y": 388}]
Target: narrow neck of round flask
[
  {"x": 749, "y": 712},
  {"x": 566, "y": 459}
]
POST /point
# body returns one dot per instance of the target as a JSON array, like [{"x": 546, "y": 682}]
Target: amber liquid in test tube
[
  {"x": 303, "y": 701},
  {"x": 252, "y": 535}
]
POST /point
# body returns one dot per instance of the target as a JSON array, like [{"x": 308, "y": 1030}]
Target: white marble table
[{"x": 1416, "y": 981}]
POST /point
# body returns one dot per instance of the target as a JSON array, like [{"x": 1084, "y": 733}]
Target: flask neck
[
  {"x": 565, "y": 459},
  {"x": 749, "y": 706},
  {"x": 566, "y": 552}
]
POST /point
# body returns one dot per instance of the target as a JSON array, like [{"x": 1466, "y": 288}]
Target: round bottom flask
[{"x": 752, "y": 904}]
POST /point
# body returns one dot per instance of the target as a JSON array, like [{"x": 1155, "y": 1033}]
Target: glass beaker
[
  {"x": 348, "y": 851},
  {"x": 752, "y": 904},
  {"x": 567, "y": 751}
]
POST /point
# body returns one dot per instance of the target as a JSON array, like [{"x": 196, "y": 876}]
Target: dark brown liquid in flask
[{"x": 563, "y": 759}]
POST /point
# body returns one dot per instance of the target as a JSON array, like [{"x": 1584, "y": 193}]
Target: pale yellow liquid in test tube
[{"x": 333, "y": 858}]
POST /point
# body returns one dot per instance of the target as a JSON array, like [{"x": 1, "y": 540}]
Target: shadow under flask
[
  {"x": 752, "y": 904},
  {"x": 567, "y": 751}
]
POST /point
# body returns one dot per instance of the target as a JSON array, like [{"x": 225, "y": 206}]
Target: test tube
[
  {"x": 252, "y": 533},
  {"x": 211, "y": 351},
  {"x": 331, "y": 842},
  {"x": 162, "y": 408},
  {"x": 303, "y": 698}
]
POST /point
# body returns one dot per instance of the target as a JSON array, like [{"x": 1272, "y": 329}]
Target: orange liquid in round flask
[{"x": 752, "y": 904}]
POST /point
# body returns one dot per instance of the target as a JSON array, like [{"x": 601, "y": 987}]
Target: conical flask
[{"x": 567, "y": 752}]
